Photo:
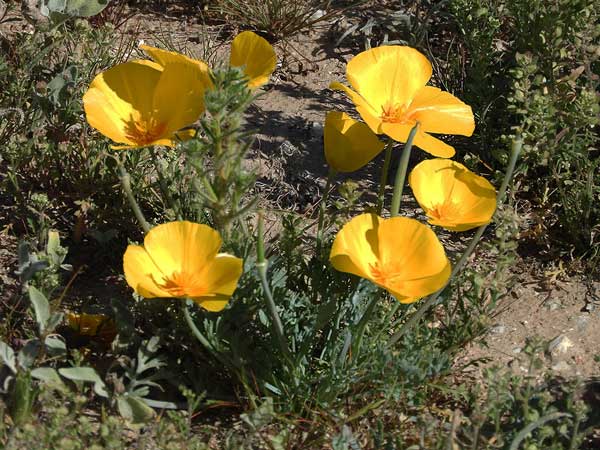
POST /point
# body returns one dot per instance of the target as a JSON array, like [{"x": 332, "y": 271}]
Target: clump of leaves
[
  {"x": 540, "y": 58},
  {"x": 279, "y": 19}
]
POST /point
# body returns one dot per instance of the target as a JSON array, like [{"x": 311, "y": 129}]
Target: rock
[
  {"x": 498, "y": 329},
  {"x": 317, "y": 14},
  {"x": 288, "y": 149},
  {"x": 582, "y": 322},
  {"x": 32, "y": 13},
  {"x": 561, "y": 366},
  {"x": 517, "y": 350},
  {"x": 317, "y": 130},
  {"x": 553, "y": 305},
  {"x": 559, "y": 345}
]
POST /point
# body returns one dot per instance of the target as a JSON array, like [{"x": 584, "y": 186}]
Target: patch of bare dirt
[{"x": 563, "y": 311}]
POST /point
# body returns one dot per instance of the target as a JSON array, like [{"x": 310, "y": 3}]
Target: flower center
[
  {"x": 396, "y": 113},
  {"x": 385, "y": 275},
  {"x": 145, "y": 131},
  {"x": 183, "y": 284},
  {"x": 445, "y": 211}
]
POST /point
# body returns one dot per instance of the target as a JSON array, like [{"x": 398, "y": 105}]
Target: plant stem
[
  {"x": 388, "y": 318},
  {"x": 193, "y": 328},
  {"x": 360, "y": 329},
  {"x": 384, "y": 175},
  {"x": 401, "y": 172},
  {"x": 125, "y": 179},
  {"x": 414, "y": 319},
  {"x": 323, "y": 209},
  {"x": 261, "y": 267},
  {"x": 163, "y": 185},
  {"x": 198, "y": 334}
]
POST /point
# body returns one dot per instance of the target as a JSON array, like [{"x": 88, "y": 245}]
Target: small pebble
[
  {"x": 582, "y": 322},
  {"x": 561, "y": 366},
  {"x": 559, "y": 345},
  {"x": 498, "y": 329},
  {"x": 553, "y": 306},
  {"x": 317, "y": 130}
]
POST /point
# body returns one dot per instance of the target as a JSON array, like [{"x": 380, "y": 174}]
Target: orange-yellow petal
[
  {"x": 142, "y": 274},
  {"x": 388, "y": 76},
  {"x": 213, "y": 304},
  {"x": 432, "y": 145},
  {"x": 412, "y": 261},
  {"x": 220, "y": 279},
  {"x": 366, "y": 111},
  {"x": 176, "y": 138},
  {"x": 451, "y": 195},
  {"x": 349, "y": 145},
  {"x": 222, "y": 275},
  {"x": 441, "y": 112},
  {"x": 178, "y": 98},
  {"x": 399, "y": 254},
  {"x": 356, "y": 246},
  {"x": 255, "y": 55},
  {"x": 120, "y": 96},
  {"x": 165, "y": 57},
  {"x": 182, "y": 247}
]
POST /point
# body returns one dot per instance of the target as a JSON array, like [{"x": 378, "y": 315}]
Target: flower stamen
[
  {"x": 144, "y": 132},
  {"x": 445, "y": 211},
  {"x": 384, "y": 276},
  {"x": 183, "y": 284},
  {"x": 397, "y": 113}
]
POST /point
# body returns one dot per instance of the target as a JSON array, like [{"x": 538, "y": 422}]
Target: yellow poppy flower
[
  {"x": 142, "y": 103},
  {"x": 401, "y": 255},
  {"x": 255, "y": 55},
  {"x": 349, "y": 144},
  {"x": 391, "y": 96},
  {"x": 451, "y": 195},
  {"x": 181, "y": 259}
]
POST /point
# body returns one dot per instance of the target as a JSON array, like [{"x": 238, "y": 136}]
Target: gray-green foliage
[
  {"x": 61, "y": 9},
  {"x": 51, "y": 159},
  {"x": 532, "y": 67},
  {"x": 278, "y": 18}
]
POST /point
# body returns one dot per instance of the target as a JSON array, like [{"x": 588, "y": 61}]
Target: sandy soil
[{"x": 562, "y": 311}]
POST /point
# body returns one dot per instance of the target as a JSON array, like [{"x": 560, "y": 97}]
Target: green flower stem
[
  {"x": 125, "y": 179},
  {"x": 193, "y": 328},
  {"x": 323, "y": 208},
  {"x": 431, "y": 300},
  {"x": 362, "y": 323},
  {"x": 163, "y": 185},
  {"x": 384, "y": 175},
  {"x": 401, "y": 172},
  {"x": 388, "y": 319},
  {"x": 261, "y": 267},
  {"x": 198, "y": 334}
]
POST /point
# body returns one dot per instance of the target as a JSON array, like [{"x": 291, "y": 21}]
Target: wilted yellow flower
[
  {"x": 255, "y": 55},
  {"x": 349, "y": 144},
  {"x": 96, "y": 326},
  {"x": 391, "y": 96},
  {"x": 451, "y": 195},
  {"x": 401, "y": 255},
  {"x": 180, "y": 259},
  {"x": 142, "y": 103}
]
